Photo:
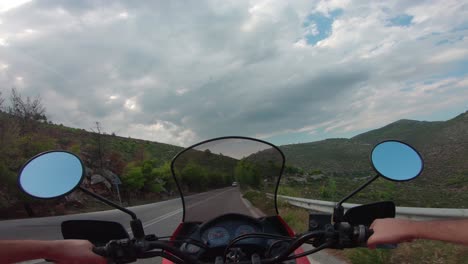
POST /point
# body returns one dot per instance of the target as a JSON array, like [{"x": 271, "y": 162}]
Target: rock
[
  {"x": 88, "y": 171},
  {"x": 96, "y": 178}
]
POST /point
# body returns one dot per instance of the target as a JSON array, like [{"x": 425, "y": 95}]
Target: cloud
[
  {"x": 448, "y": 56},
  {"x": 6, "y": 5},
  {"x": 181, "y": 72}
]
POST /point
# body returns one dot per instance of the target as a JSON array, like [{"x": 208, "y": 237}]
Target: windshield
[{"x": 212, "y": 175}]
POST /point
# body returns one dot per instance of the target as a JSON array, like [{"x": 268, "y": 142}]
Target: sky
[{"x": 287, "y": 72}]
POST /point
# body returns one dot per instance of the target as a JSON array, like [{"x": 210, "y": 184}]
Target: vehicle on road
[
  {"x": 234, "y": 184},
  {"x": 223, "y": 228}
]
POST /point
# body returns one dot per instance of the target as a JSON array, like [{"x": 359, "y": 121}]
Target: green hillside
[
  {"x": 443, "y": 145},
  {"x": 141, "y": 165},
  {"x": 331, "y": 167}
]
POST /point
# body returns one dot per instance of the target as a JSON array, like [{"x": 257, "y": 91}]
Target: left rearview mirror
[{"x": 51, "y": 174}]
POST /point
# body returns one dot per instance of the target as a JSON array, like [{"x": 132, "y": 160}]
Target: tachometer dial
[
  {"x": 244, "y": 229},
  {"x": 218, "y": 236}
]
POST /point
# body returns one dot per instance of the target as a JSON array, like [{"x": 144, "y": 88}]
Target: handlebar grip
[
  {"x": 370, "y": 232},
  {"x": 101, "y": 251}
]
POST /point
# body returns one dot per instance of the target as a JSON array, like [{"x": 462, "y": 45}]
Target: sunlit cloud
[
  {"x": 6, "y": 5},
  {"x": 123, "y": 15},
  {"x": 131, "y": 104},
  {"x": 3, "y": 42}
]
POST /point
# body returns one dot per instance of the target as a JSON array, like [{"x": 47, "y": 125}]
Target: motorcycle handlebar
[{"x": 126, "y": 250}]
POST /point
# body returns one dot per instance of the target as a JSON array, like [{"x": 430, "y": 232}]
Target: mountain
[{"x": 442, "y": 144}]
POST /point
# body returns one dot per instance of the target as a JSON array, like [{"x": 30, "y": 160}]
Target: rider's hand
[
  {"x": 74, "y": 251},
  {"x": 390, "y": 231}
]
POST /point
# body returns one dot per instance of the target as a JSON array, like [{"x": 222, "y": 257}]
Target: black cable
[
  {"x": 297, "y": 243},
  {"x": 303, "y": 254},
  {"x": 185, "y": 258},
  {"x": 271, "y": 246},
  {"x": 150, "y": 254},
  {"x": 172, "y": 258},
  {"x": 253, "y": 235},
  {"x": 190, "y": 241}
]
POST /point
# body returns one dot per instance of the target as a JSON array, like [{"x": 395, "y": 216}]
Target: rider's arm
[
  {"x": 60, "y": 251},
  {"x": 391, "y": 231}
]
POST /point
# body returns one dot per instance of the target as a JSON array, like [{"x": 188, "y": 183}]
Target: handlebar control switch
[
  {"x": 318, "y": 221},
  {"x": 121, "y": 251}
]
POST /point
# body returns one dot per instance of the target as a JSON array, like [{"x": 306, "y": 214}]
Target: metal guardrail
[{"x": 417, "y": 213}]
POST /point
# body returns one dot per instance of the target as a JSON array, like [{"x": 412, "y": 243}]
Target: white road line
[
  {"x": 159, "y": 219},
  {"x": 178, "y": 211}
]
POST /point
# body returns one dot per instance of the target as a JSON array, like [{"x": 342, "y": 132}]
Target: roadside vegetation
[
  {"x": 25, "y": 131},
  {"x": 419, "y": 251}
]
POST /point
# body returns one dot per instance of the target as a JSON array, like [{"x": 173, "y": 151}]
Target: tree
[
  {"x": 133, "y": 177},
  {"x": 19, "y": 138},
  {"x": 28, "y": 112},
  {"x": 99, "y": 152},
  {"x": 247, "y": 173},
  {"x": 1, "y": 101},
  {"x": 194, "y": 177},
  {"x": 164, "y": 175}
]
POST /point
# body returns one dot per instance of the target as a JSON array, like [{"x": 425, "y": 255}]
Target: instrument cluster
[{"x": 220, "y": 234}]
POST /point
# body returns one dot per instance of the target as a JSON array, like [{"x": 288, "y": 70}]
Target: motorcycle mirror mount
[
  {"x": 135, "y": 224},
  {"x": 393, "y": 160},
  {"x": 54, "y": 174}
]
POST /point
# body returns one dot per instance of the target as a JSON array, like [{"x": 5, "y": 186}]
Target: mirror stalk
[
  {"x": 104, "y": 200},
  {"x": 135, "y": 224},
  {"x": 338, "y": 211},
  {"x": 137, "y": 229}
]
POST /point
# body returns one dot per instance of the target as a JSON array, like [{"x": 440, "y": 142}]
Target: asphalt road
[{"x": 160, "y": 218}]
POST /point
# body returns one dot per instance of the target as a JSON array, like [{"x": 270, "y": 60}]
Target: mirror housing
[
  {"x": 97, "y": 232},
  {"x": 396, "y": 161},
  {"x": 392, "y": 159},
  {"x": 51, "y": 174},
  {"x": 367, "y": 213},
  {"x": 54, "y": 174}
]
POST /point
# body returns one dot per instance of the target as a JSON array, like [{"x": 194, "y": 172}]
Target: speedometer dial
[{"x": 218, "y": 236}]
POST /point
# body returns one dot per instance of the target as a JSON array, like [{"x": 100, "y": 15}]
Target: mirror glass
[
  {"x": 396, "y": 161},
  {"x": 51, "y": 174}
]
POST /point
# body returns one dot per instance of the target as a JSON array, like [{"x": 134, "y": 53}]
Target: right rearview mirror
[{"x": 396, "y": 161}]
